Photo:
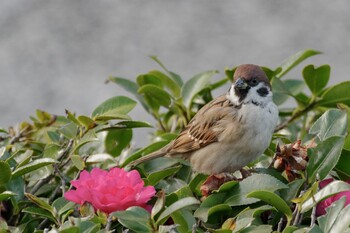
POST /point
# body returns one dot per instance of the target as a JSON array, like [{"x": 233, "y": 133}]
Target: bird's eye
[{"x": 253, "y": 81}]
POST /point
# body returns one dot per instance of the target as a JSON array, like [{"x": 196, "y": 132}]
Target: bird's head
[{"x": 250, "y": 85}]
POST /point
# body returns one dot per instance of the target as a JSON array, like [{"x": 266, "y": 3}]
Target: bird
[{"x": 230, "y": 131}]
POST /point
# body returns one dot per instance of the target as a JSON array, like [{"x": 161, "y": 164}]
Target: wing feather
[{"x": 201, "y": 130}]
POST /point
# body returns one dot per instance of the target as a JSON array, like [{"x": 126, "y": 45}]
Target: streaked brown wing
[{"x": 201, "y": 129}]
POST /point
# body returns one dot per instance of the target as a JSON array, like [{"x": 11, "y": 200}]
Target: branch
[{"x": 295, "y": 116}]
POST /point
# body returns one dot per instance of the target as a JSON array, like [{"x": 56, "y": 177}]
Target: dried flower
[
  {"x": 110, "y": 191},
  {"x": 321, "y": 207},
  {"x": 292, "y": 158}
]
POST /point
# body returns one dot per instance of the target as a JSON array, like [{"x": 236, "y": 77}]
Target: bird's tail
[{"x": 154, "y": 155}]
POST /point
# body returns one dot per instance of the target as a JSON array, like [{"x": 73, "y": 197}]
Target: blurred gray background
[{"x": 56, "y": 55}]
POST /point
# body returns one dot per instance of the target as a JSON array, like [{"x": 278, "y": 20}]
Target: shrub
[{"x": 39, "y": 159}]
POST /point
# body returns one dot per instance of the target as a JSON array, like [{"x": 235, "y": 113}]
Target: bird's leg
[
  {"x": 245, "y": 173},
  {"x": 213, "y": 182}
]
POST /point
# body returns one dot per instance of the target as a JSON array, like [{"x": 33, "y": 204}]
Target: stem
[
  {"x": 109, "y": 223},
  {"x": 313, "y": 217},
  {"x": 280, "y": 224}
]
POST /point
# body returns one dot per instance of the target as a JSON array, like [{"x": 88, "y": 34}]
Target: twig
[
  {"x": 109, "y": 223},
  {"x": 313, "y": 217},
  {"x": 280, "y": 224},
  {"x": 295, "y": 116}
]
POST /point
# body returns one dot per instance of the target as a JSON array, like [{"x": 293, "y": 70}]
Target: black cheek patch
[{"x": 263, "y": 91}]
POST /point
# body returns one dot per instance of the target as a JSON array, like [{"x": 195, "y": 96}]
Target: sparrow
[{"x": 230, "y": 131}]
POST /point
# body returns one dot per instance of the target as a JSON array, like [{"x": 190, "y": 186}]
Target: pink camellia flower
[
  {"x": 321, "y": 207},
  {"x": 110, "y": 191}
]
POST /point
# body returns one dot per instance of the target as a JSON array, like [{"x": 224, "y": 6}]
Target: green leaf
[
  {"x": 135, "y": 218},
  {"x": 155, "y": 177},
  {"x": 40, "y": 212},
  {"x": 159, "y": 205},
  {"x": 294, "y": 86},
  {"x": 86, "y": 121},
  {"x": 331, "y": 123},
  {"x": 316, "y": 79},
  {"x": 338, "y": 93},
  {"x": 168, "y": 82},
  {"x": 72, "y": 117},
  {"x": 292, "y": 190},
  {"x": 326, "y": 221},
  {"x": 5, "y": 172},
  {"x": 252, "y": 183},
  {"x": 131, "y": 87},
  {"x": 78, "y": 162},
  {"x": 6, "y": 194},
  {"x": 62, "y": 205},
  {"x": 184, "y": 219},
  {"x": 343, "y": 165},
  {"x": 69, "y": 130},
  {"x": 294, "y": 60},
  {"x": 156, "y": 94},
  {"x": 114, "y": 108},
  {"x": 178, "y": 205},
  {"x": 117, "y": 140},
  {"x": 123, "y": 125},
  {"x": 195, "y": 85},
  {"x": 343, "y": 221},
  {"x": 40, "y": 202},
  {"x": 324, "y": 158},
  {"x": 128, "y": 85},
  {"x": 174, "y": 76},
  {"x": 90, "y": 136},
  {"x": 274, "y": 200},
  {"x": 36, "y": 164},
  {"x": 329, "y": 190},
  {"x": 280, "y": 91}
]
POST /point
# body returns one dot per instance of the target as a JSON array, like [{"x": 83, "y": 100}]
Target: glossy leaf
[
  {"x": 116, "y": 107},
  {"x": 252, "y": 183},
  {"x": 329, "y": 190},
  {"x": 342, "y": 222},
  {"x": 78, "y": 162},
  {"x": 6, "y": 195},
  {"x": 338, "y": 93},
  {"x": 178, "y": 205},
  {"x": 280, "y": 91},
  {"x": 123, "y": 125},
  {"x": 86, "y": 121},
  {"x": 134, "y": 218},
  {"x": 331, "y": 123},
  {"x": 294, "y": 60},
  {"x": 324, "y": 158},
  {"x": 40, "y": 212},
  {"x": 316, "y": 78},
  {"x": 117, "y": 140},
  {"x": 168, "y": 82},
  {"x": 131, "y": 87},
  {"x": 159, "y": 205},
  {"x": 274, "y": 200},
  {"x": 36, "y": 164},
  {"x": 343, "y": 165},
  {"x": 196, "y": 84},
  {"x": 326, "y": 221},
  {"x": 156, "y": 94},
  {"x": 40, "y": 202},
  {"x": 5, "y": 172},
  {"x": 155, "y": 177},
  {"x": 174, "y": 76}
]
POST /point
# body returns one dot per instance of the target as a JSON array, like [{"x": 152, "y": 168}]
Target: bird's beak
[{"x": 241, "y": 84}]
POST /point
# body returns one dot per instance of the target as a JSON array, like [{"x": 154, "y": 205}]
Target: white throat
[{"x": 252, "y": 96}]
